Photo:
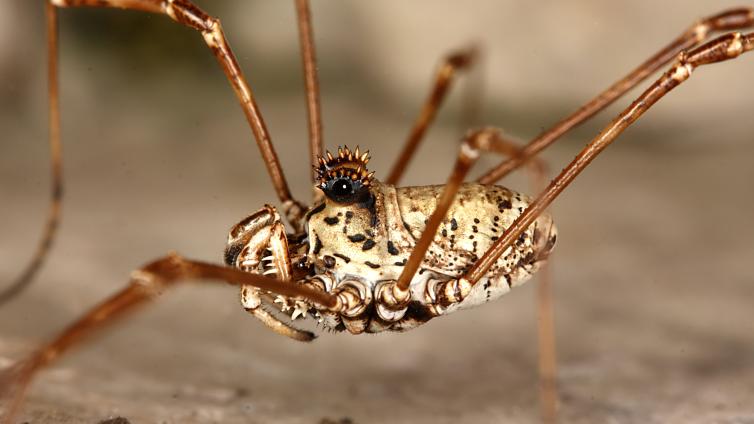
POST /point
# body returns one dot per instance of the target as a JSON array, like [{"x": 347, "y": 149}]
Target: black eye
[
  {"x": 345, "y": 190},
  {"x": 342, "y": 187}
]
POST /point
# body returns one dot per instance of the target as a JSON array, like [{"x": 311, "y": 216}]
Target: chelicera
[{"x": 366, "y": 255}]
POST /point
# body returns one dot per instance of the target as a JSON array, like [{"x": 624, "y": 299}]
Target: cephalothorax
[
  {"x": 359, "y": 238},
  {"x": 368, "y": 256}
]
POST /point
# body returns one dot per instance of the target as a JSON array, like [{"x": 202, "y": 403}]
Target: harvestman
[{"x": 367, "y": 256}]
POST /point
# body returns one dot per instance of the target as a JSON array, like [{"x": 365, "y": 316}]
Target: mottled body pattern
[
  {"x": 364, "y": 244},
  {"x": 373, "y": 245}
]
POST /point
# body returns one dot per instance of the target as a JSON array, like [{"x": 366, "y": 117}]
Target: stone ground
[{"x": 652, "y": 274}]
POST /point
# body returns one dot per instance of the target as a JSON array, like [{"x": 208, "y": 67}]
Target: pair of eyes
[
  {"x": 342, "y": 187},
  {"x": 343, "y": 190}
]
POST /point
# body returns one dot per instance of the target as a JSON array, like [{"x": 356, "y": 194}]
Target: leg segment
[
  {"x": 548, "y": 373},
  {"x": 723, "y": 48},
  {"x": 309, "y": 59},
  {"x": 56, "y": 162},
  {"x": 734, "y": 19},
  {"x": 187, "y": 13},
  {"x": 145, "y": 284},
  {"x": 548, "y": 359},
  {"x": 452, "y": 63},
  {"x": 472, "y": 95},
  {"x": 548, "y": 390}
]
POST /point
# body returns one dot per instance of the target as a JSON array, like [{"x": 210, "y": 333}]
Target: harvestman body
[
  {"x": 358, "y": 241},
  {"x": 367, "y": 256}
]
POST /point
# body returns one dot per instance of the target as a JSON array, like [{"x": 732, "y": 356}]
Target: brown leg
[
  {"x": 472, "y": 94},
  {"x": 733, "y": 19},
  {"x": 723, "y": 48},
  {"x": 145, "y": 284},
  {"x": 444, "y": 77},
  {"x": 56, "y": 165},
  {"x": 313, "y": 108},
  {"x": 548, "y": 390},
  {"x": 548, "y": 360},
  {"x": 187, "y": 13},
  {"x": 547, "y": 364}
]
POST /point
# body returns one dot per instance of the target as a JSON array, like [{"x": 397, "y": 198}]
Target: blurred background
[{"x": 653, "y": 286}]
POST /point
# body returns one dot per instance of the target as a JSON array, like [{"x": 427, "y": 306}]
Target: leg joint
[
  {"x": 161, "y": 272},
  {"x": 189, "y": 14}
]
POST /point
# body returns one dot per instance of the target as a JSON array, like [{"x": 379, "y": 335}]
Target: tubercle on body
[{"x": 357, "y": 240}]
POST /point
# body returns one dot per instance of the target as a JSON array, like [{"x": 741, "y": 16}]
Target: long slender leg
[
  {"x": 56, "y": 165},
  {"x": 723, "y": 48},
  {"x": 187, "y": 13},
  {"x": 733, "y": 19},
  {"x": 547, "y": 358},
  {"x": 451, "y": 64},
  {"x": 145, "y": 284},
  {"x": 472, "y": 94},
  {"x": 547, "y": 364},
  {"x": 313, "y": 107}
]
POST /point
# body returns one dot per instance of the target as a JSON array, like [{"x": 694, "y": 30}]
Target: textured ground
[{"x": 652, "y": 273}]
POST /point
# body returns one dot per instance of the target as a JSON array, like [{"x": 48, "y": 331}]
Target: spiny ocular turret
[{"x": 344, "y": 178}]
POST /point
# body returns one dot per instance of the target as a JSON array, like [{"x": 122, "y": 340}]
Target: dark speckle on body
[
  {"x": 357, "y": 238},
  {"x": 341, "y": 256},
  {"x": 371, "y": 265},
  {"x": 317, "y": 244}
]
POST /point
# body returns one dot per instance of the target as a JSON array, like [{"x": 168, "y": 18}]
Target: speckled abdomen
[{"x": 478, "y": 217}]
